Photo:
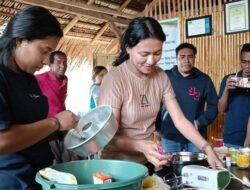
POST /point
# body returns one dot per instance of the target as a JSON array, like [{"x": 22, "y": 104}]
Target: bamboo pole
[
  {"x": 160, "y": 9},
  {"x": 196, "y": 8},
  {"x": 192, "y": 7},
  {"x": 164, "y": 9},
  {"x": 174, "y": 9},
  {"x": 169, "y": 9},
  {"x": 183, "y": 8}
]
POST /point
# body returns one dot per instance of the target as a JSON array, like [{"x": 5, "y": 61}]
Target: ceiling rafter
[
  {"x": 94, "y": 8},
  {"x": 84, "y": 39},
  {"x": 112, "y": 25},
  {"x": 113, "y": 46},
  {"x": 115, "y": 29},
  {"x": 124, "y": 5},
  {"x": 88, "y": 21},
  {"x": 115, "y": 42},
  {"x": 6, "y": 14},
  {"x": 71, "y": 24},
  {"x": 90, "y": 2},
  {"x": 75, "y": 11},
  {"x": 67, "y": 28},
  {"x": 149, "y": 6},
  {"x": 100, "y": 33}
]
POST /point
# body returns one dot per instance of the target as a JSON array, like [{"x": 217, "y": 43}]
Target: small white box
[{"x": 101, "y": 178}]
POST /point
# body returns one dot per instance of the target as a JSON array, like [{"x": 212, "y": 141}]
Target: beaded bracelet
[
  {"x": 57, "y": 122},
  {"x": 203, "y": 148}
]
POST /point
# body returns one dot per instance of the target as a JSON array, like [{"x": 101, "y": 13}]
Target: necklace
[{"x": 144, "y": 92}]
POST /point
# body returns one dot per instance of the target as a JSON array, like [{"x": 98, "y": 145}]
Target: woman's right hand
[
  {"x": 153, "y": 155},
  {"x": 212, "y": 158},
  {"x": 67, "y": 120}
]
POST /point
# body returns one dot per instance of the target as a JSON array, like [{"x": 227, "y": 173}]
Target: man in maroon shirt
[{"x": 53, "y": 84}]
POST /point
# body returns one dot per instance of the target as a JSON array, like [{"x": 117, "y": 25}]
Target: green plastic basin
[{"x": 126, "y": 175}]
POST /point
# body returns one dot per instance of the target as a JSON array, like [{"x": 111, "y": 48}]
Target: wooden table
[{"x": 240, "y": 173}]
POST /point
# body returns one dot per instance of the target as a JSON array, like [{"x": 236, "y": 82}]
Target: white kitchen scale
[{"x": 205, "y": 178}]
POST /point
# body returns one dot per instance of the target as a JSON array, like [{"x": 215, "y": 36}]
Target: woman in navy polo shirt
[{"x": 29, "y": 38}]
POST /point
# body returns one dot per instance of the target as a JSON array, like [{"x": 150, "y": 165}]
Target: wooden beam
[
  {"x": 124, "y": 5},
  {"x": 94, "y": 8},
  {"x": 6, "y": 14},
  {"x": 90, "y": 2},
  {"x": 74, "y": 10},
  {"x": 115, "y": 30},
  {"x": 100, "y": 33},
  {"x": 112, "y": 25},
  {"x": 148, "y": 6},
  {"x": 84, "y": 39},
  {"x": 113, "y": 45},
  {"x": 71, "y": 24}
]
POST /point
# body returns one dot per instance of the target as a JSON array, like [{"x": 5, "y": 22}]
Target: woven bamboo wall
[{"x": 218, "y": 54}]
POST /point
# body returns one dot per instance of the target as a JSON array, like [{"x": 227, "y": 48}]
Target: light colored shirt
[
  {"x": 94, "y": 93},
  {"x": 139, "y": 101}
]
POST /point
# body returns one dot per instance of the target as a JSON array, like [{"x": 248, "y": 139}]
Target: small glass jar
[
  {"x": 233, "y": 153},
  {"x": 242, "y": 159}
]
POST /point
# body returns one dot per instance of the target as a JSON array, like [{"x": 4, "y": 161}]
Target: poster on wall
[
  {"x": 200, "y": 26},
  {"x": 236, "y": 16},
  {"x": 171, "y": 28}
]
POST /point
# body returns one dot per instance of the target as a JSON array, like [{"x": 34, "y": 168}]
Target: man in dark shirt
[
  {"x": 196, "y": 96},
  {"x": 235, "y": 103}
]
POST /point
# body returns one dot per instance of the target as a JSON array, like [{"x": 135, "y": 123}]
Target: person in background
[
  {"x": 53, "y": 84},
  {"x": 29, "y": 38},
  {"x": 247, "y": 139},
  {"x": 135, "y": 88},
  {"x": 234, "y": 101},
  {"x": 197, "y": 97},
  {"x": 97, "y": 75}
]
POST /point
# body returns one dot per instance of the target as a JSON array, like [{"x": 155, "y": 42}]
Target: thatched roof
[{"x": 90, "y": 26}]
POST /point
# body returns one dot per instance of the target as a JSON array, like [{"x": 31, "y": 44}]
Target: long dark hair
[
  {"x": 139, "y": 29},
  {"x": 30, "y": 23}
]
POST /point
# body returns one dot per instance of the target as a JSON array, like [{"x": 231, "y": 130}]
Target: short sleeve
[
  {"x": 223, "y": 85},
  {"x": 168, "y": 91},
  {"x": 96, "y": 91},
  {"x": 111, "y": 91}
]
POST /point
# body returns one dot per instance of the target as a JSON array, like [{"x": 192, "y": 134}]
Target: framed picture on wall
[
  {"x": 236, "y": 16},
  {"x": 199, "y": 26}
]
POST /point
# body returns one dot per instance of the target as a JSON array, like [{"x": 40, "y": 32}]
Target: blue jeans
[
  {"x": 173, "y": 146},
  {"x": 232, "y": 145}
]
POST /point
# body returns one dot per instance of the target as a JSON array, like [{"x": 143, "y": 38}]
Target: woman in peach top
[{"x": 135, "y": 88}]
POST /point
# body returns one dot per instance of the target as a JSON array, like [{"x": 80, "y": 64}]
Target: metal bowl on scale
[
  {"x": 93, "y": 132},
  {"x": 181, "y": 159}
]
